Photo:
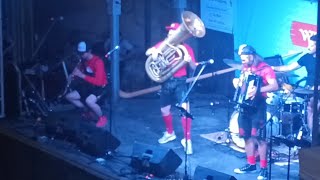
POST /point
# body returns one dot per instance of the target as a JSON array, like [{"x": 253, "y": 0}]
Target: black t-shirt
[{"x": 309, "y": 62}]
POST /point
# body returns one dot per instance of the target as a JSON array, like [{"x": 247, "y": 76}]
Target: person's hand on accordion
[
  {"x": 252, "y": 91},
  {"x": 236, "y": 82}
]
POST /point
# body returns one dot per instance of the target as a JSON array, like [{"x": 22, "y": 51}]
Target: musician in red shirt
[
  {"x": 89, "y": 81},
  {"x": 172, "y": 91},
  {"x": 252, "y": 119}
]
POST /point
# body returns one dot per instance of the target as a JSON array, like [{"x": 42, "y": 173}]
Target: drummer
[{"x": 309, "y": 62}]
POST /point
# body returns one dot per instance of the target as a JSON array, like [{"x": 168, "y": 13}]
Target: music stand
[{"x": 291, "y": 144}]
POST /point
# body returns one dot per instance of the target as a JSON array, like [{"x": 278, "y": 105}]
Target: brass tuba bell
[{"x": 172, "y": 54}]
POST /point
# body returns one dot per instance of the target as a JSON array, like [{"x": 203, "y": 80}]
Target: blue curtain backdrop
[{"x": 266, "y": 26}]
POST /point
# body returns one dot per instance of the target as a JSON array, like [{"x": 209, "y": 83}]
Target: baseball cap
[
  {"x": 82, "y": 46},
  {"x": 245, "y": 49},
  {"x": 173, "y": 26}
]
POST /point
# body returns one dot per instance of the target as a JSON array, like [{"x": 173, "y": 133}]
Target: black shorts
[
  {"x": 85, "y": 89},
  {"x": 252, "y": 121},
  {"x": 173, "y": 91}
]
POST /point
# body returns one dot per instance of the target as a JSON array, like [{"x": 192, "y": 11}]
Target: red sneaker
[{"x": 102, "y": 121}]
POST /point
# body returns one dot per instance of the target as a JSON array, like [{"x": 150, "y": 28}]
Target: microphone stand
[
  {"x": 43, "y": 39},
  {"x": 193, "y": 83},
  {"x": 185, "y": 113},
  {"x": 109, "y": 153}
]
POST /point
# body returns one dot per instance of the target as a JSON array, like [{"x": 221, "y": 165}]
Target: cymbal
[
  {"x": 285, "y": 74},
  {"x": 233, "y": 63},
  {"x": 303, "y": 91}
]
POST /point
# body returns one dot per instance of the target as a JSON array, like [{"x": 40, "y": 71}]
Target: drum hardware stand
[
  {"x": 185, "y": 113},
  {"x": 305, "y": 115},
  {"x": 304, "y": 126},
  {"x": 41, "y": 42},
  {"x": 38, "y": 100}
]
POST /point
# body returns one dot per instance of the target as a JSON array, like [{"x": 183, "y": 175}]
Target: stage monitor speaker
[
  {"x": 208, "y": 174},
  {"x": 96, "y": 142},
  {"x": 90, "y": 139},
  {"x": 155, "y": 160}
]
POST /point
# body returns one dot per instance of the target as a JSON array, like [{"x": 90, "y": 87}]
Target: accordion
[{"x": 247, "y": 81}]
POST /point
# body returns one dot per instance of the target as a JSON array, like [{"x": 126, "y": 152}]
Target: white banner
[{"x": 217, "y": 15}]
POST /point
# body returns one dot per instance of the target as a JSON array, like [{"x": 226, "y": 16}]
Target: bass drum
[{"x": 234, "y": 130}]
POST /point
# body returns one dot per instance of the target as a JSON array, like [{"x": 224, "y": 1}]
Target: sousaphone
[{"x": 172, "y": 53}]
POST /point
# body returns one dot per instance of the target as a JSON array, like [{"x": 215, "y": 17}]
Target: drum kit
[{"x": 286, "y": 111}]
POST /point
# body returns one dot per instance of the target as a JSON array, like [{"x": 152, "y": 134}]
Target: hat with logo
[{"x": 245, "y": 49}]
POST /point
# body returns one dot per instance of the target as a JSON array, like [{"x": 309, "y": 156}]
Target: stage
[{"x": 135, "y": 121}]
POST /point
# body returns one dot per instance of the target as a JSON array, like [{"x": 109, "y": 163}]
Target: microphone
[
  {"x": 298, "y": 82},
  {"x": 112, "y": 50},
  {"x": 210, "y": 61}
]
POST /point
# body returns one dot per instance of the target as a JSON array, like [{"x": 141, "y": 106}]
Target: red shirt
[
  {"x": 183, "y": 70},
  {"x": 263, "y": 70},
  {"x": 95, "y": 66}
]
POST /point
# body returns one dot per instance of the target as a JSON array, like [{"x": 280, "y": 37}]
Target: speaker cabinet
[
  {"x": 96, "y": 142},
  {"x": 308, "y": 158},
  {"x": 155, "y": 160},
  {"x": 208, "y": 174},
  {"x": 89, "y": 139}
]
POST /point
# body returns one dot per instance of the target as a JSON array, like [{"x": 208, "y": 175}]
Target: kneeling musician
[
  {"x": 252, "y": 117},
  {"x": 92, "y": 76}
]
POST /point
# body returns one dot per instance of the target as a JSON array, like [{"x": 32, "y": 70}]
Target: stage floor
[{"x": 139, "y": 120}]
